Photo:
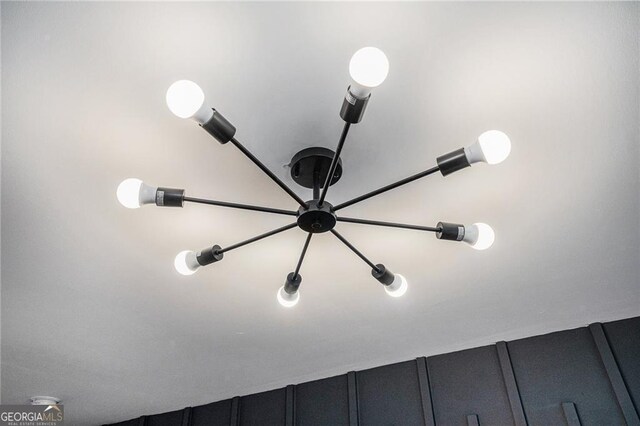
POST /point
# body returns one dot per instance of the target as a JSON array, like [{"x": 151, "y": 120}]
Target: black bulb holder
[
  {"x": 450, "y": 231},
  {"x": 292, "y": 282},
  {"x": 209, "y": 255},
  {"x": 169, "y": 197},
  {"x": 353, "y": 107},
  {"x": 453, "y": 161},
  {"x": 382, "y": 274},
  {"x": 219, "y": 127}
]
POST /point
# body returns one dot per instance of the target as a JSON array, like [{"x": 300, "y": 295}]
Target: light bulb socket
[
  {"x": 209, "y": 255},
  {"x": 169, "y": 197},
  {"x": 292, "y": 283},
  {"x": 453, "y": 161},
  {"x": 450, "y": 231},
  {"x": 219, "y": 127},
  {"x": 382, "y": 274},
  {"x": 353, "y": 107}
]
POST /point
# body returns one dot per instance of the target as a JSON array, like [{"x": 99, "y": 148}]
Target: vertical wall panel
[
  {"x": 561, "y": 367},
  {"x": 624, "y": 339},
  {"x": 215, "y": 414},
  {"x": 425, "y": 392},
  {"x": 290, "y": 405},
  {"x": 265, "y": 408},
  {"x": 171, "y": 418},
  {"x": 323, "y": 402},
  {"x": 510, "y": 383},
  {"x": 235, "y": 411},
  {"x": 352, "y": 384},
  {"x": 469, "y": 382},
  {"x": 186, "y": 417},
  {"x": 615, "y": 378},
  {"x": 390, "y": 395}
]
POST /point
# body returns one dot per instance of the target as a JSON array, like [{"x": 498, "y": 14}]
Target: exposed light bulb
[
  {"x": 368, "y": 68},
  {"x": 480, "y": 236},
  {"x": 492, "y": 147},
  {"x": 398, "y": 287},
  {"x": 132, "y": 193},
  {"x": 186, "y": 100},
  {"x": 128, "y": 193},
  {"x": 288, "y": 300},
  {"x": 186, "y": 262}
]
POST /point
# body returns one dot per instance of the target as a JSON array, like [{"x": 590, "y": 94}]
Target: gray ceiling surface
[{"x": 93, "y": 311}]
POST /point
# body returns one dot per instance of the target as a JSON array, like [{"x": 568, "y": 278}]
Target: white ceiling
[{"x": 92, "y": 309}]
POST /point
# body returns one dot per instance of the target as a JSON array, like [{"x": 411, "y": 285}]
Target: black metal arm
[
  {"x": 387, "y": 188},
  {"x": 355, "y": 250},
  {"x": 389, "y": 224},
  {"x": 257, "y": 238},
  {"x": 304, "y": 251},
  {"x": 334, "y": 163},
  {"x": 240, "y": 206},
  {"x": 269, "y": 173}
]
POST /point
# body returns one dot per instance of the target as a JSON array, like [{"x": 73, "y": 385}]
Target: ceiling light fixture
[{"x": 317, "y": 169}]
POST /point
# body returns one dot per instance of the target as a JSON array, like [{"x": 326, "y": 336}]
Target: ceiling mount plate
[
  {"x": 310, "y": 160},
  {"x": 45, "y": 400}
]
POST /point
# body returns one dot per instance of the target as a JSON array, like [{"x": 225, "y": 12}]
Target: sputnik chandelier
[{"x": 316, "y": 168}]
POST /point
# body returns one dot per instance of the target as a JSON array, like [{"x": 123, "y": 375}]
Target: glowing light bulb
[
  {"x": 492, "y": 147},
  {"x": 186, "y": 100},
  {"x": 368, "y": 68},
  {"x": 186, "y": 262},
  {"x": 288, "y": 300},
  {"x": 128, "y": 193},
  {"x": 398, "y": 287},
  {"x": 495, "y": 145},
  {"x": 480, "y": 236},
  {"x": 132, "y": 193}
]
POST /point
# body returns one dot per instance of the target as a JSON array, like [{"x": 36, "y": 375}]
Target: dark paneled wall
[{"x": 586, "y": 376}]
